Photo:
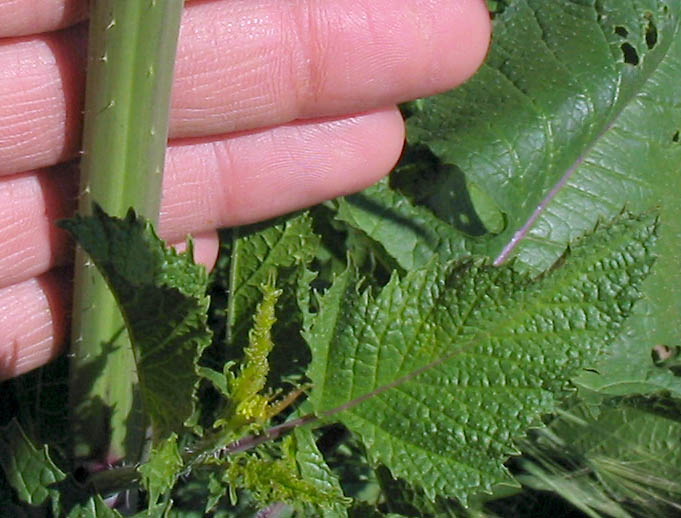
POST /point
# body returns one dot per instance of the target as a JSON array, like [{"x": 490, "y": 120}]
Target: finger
[
  {"x": 205, "y": 246},
  {"x": 41, "y": 89},
  {"x": 258, "y": 175},
  {"x": 32, "y": 322},
  {"x": 259, "y": 63},
  {"x": 33, "y": 314},
  {"x": 244, "y": 64},
  {"x": 30, "y": 204},
  {"x": 210, "y": 183},
  {"x": 22, "y": 17}
]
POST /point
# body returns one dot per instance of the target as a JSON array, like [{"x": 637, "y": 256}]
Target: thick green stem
[{"x": 131, "y": 54}]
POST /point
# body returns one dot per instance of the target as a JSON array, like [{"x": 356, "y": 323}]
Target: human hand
[{"x": 276, "y": 105}]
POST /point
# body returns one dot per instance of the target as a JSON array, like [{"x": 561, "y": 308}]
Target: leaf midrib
[{"x": 621, "y": 105}]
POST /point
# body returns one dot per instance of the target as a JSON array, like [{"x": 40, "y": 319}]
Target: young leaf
[
  {"x": 160, "y": 473},
  {"x": 162, "y": 297},
  {"x": 443, "y": 369}
]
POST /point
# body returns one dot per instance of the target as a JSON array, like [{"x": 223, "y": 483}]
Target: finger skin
[
  {"x": 34, "y": 313},
  {"x": 259, "y": 175},
  {"x": 24, "y": 17},
  {"x": 245, "y": 64},
  {"x": 30, "y": 204},
  {"x": 293, "y": 60},
  {"x": 209, "y": 183},
  {"x": 41, "y": 93},
  {"x": 32, "y": 322}
]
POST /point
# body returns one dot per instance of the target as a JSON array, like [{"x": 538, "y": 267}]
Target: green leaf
[
  {"x": 320, "y": 328},
  {"x": 162, "y": 297},
  {"x": 283, "y": 246},
  {"x": 632, "y": 449},
  {"x": 370, "y": 511},
  {"x": 160, "y": 472},
  {"x": 37, "y": 480},
  {"x": 217, "y": 492},
  {"x": 94, "y": 507},
  {"x": 623, "y": 458},
  {"x": 28, "y": 470},
  {"x": 412, "y": 235},
  {"x": 314, "y": 470},
  {"x": 542, "y": 108},
  {"x": 630, "y": 369},
  {"x": 257, "y": 250},
  {"x": 443, "y": 369},
  {"x": 398, "y": 497}
]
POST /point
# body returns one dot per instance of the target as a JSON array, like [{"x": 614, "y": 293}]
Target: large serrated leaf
[
  {"x": 549, "y": 110},
  {"x": 444, "y": 368},
  {"x": 162, "y": 297}
]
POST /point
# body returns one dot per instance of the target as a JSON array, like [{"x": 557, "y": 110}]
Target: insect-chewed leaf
[
  {"x": 441, "y": 370},
  {"x": 560, "y": 132}
]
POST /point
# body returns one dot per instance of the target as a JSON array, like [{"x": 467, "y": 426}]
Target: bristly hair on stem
[{"x": 131, "y": 56}]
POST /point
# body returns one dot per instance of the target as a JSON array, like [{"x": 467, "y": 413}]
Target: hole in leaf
[
  {"x": 676, "y": 136},
  {"x": 629, "y": 53},
  {"x": 651, "y": 34},
  {"x": 621, "y": 31},
  {"x": 666, "y": 356}
]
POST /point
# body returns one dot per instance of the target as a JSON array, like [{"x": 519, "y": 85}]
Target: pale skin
[{"x": 276, "y": 105}]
